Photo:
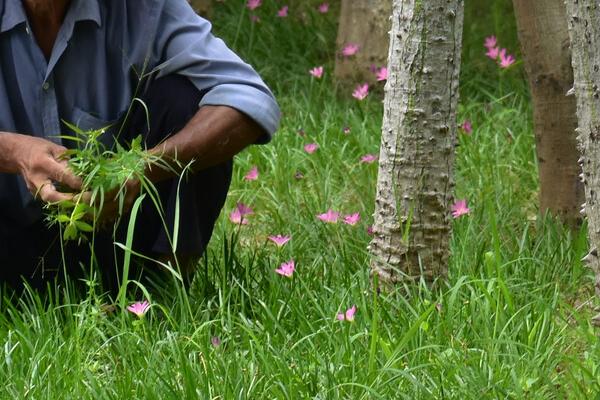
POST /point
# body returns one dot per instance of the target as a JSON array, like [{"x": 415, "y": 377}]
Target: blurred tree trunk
[
  {"x": 415, "y": 182},
  {"x": 367, "y": 24},
  {"x": 202, "y": 7},
  {"x": 544, "y": 37},
  {"x": 584, "y": 29}
]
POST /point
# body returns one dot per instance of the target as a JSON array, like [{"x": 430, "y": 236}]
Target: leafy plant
[{"x": 104, "y": 173}]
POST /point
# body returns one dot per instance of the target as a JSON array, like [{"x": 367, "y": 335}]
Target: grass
[{"x": 511, "y": 322}]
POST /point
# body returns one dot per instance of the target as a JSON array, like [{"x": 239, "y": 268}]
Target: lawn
[{"x": 512, "y": 321}]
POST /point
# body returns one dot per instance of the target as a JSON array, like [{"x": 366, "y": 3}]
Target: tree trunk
[
  {"x": 544, "y": 38},
  {"x": 202, "y": 7},
  {"x": 367, "y": 24},
  {"x": 414, "y": 186},
  {"x": 584, "y": 29}
]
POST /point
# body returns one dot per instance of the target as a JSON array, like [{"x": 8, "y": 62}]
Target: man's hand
[
  {"x": 39, "y": 162},
  {"x": 111, "y": 208}
]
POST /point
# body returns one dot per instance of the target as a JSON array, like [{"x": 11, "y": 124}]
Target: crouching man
[{"x": 83, "y": 62}]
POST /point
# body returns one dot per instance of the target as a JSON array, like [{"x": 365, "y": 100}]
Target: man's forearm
[{"x": 215, "y": 134}]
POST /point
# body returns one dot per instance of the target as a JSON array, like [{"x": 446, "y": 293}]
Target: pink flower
[
  {"x": 279, "y": 240},
  {"x": 467, "y": 127},
  {"x": 255, "y": 18},
  {"x": 382, "y": 74},
  {"x": 317, "y": 72},
  {"x": 215, "y": 341},
  {"x": 139, "y": 308},
  {"x": 348, "y": 316},
  {"x": 352, "y": 219},
  {"x": 253, "y": 4},
  {"x": 330, "y": 216},
  {"x": 460, "y": 208},
  {"x": 350, "y": 49},
  {"x": 238, "y": 214},
  {"x": 311, "y": 148},
  {"x": 490, "y": 42},
  {"x": 252, "y": 175},
  {"x": 370, "y": 231},
  {"x": 493, "y": 52},
  {"x": 506, "y": 60},
  {"x": 286, "y": 269},
  {"x": 283, "y": 12},
  {"x": 323, "y": 8},
  {"x": 368, "y": 158},
  {"x": 346, "y": 130},
  {"x": 361, "y": 91}
]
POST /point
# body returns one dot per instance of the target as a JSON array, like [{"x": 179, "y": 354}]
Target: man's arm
[
  {"x": 38, "y": 161},
  {"x": 214, "y": 135}
]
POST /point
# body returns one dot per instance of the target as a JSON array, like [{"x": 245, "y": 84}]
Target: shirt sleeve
[{"x": 185, "y": 45}]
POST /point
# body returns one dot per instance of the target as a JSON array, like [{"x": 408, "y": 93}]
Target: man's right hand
[{"x": 39, "y": 162}]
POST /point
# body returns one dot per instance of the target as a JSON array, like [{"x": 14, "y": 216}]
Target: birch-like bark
[
  {"x": 415, "y": 182},
  {"x": 544, "y": 37},
  {"x": 366, "y": 23},
  {"x": 583, "y": 18}
]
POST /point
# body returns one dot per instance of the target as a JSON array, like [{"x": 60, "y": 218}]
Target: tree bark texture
[
  {"x": 544, "y": 37},
  {"x": 202, "y": 7},
  {"x": 584, "y": 29},
  {"x": 367, "y": 24},
  {"x": 415, "y": 181}
]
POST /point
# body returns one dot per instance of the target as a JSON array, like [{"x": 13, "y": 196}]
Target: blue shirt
[{"x": 102, "y": 50}]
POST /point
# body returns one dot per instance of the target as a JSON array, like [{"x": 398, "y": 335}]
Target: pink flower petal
[
  {"x": 490, "y": 42},
  {"x": 368, "y": 158},
  {"x": 237, "y": 216},
  {"x": 361, "y": 91},
  {"x": 493, "y": 53},
  {"x": 311, "y": 148},
  {"x": 330, "y": 217},
  {"x": 252, "y": 175},
  {"x": 253, "y": 4},
  {"x": 280, "y": 240},
  {"x": 350, "y": 313},
  {"x": 352, "y": 219},
  {"x": 382, "y": 74},
  {"x": 317, "y": 72},
  {"x": 286, "y": 269},
  {"x": 283, "y": 12},
  {"x": 323, "y": 8},
  {"x": 467, "y": 127},
  {"x": 460, "y": 208},
  {"x": 139, "y": 308},
  {"x": 350, "y": 49}
]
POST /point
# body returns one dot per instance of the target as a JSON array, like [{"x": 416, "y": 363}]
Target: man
[{"x": 83, "y": 61}]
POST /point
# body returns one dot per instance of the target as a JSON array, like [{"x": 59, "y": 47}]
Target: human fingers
[
  {"x": 61, "y": 173},
  {"x": 47, "y": 193}
]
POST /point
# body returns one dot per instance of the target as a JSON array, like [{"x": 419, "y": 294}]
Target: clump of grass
[{"x": 104, "y": 173}]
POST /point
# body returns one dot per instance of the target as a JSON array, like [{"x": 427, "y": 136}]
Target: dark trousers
[{"x": 34, "y": 254}]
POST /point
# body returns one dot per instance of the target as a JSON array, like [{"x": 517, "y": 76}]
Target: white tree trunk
[
  {"x": 584, "y": 28},
  {"x": 414, "y": 186},
  {"x": 545, "y": 42},
  {"x": 367, "y": 24}
]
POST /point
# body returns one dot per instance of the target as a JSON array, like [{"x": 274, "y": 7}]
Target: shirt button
[{"x": 46, "y": 86}]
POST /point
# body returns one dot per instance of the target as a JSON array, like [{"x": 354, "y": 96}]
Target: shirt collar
[{"x": 13, "y": 14}]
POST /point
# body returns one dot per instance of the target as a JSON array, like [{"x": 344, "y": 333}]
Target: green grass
[{"x": 511, "y": 322}]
